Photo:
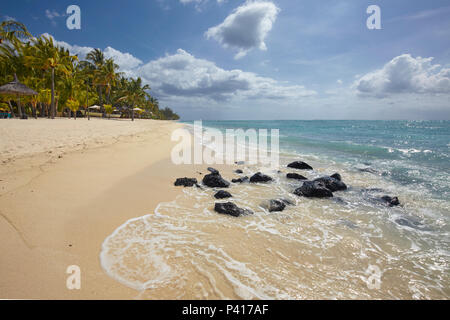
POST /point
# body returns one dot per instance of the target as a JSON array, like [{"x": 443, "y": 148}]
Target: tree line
[{"x": 67, "y": 85}]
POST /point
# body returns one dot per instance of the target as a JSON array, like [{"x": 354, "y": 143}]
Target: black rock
[
  {"x": 240, "y": 180},
  {"x": 186, "y": 182},
  {"x": 222, "y": 195},
  {"x": 259, "y": 177},
  {"x": 332, "y": 184},
  {"x": 276, "y": 205},
  {"x": 313, "y": 189},
  {"x": 214, "y": 180},
  {"x": 300, "y": 165},
  {"x": 213, "y": 171},
  {"x": 230, "y": 209},
  {"x": 391, "y": 201},
  {"x": 337, "y": 176},
  {"x": 295, "y": 176},
  {"x": 239, "y": 171}
]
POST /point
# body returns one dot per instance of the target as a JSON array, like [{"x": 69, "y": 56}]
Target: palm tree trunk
[
  {"x": 19, "y": 110},
  {"x": 11, "y": 108},
  {"x": 52, "y": 108}
]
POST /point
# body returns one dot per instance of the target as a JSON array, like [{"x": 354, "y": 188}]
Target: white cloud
[
  {"x": 246, "y": 27},
  {"x": 126, "y": 61},
  {"x": 9, "y": 18},
  {"x": 405, "y": 74},
  {"x": 52, "y": 15},
  {"x": 183, "y": 75},
  {"x": 73, "y": 49}
]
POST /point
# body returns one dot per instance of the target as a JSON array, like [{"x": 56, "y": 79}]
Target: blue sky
[{"x": 285, "y": 59}]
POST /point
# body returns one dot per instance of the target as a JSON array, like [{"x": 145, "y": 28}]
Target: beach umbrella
[
  {"x": 96, "y": 107},
  {"x": 137, "y": 109},
  {"x": 18, "y": 89}
]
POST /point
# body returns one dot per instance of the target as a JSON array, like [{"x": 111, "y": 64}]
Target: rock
[
  {"x": 300, "y": 165},
  {"x": 222, "y": 195},
  {"x": 295, "y": 176},
  {"x": 213, "y": 171},
  {"x": 186, "y": 182},
  {"x": 240, "y": 180},
  {"x": 276, "y": 205},
  {"x": 332, "y": 184},
  {"x": 313, "y": 189},
  {"x": 259, "y": 177},
  {"x": 230, "y": 209},
  {"x": 391, "y": 201},
  {"x": 215, "y": 180},
  {"x": 239, "y": 171},
  {"x": 337, "y": 176}
]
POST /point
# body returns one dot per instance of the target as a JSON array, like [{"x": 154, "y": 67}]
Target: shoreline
[{"x": 56, "y": 212}]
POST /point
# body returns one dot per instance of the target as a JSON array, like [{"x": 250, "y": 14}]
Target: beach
[
  {"x": 65, "y": 186},
  {"x": 100, "y": 195}
]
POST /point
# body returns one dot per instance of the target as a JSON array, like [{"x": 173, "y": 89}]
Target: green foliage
[
  {"x": 64, "y": 82},
  {"x": 108, "y": 108}
]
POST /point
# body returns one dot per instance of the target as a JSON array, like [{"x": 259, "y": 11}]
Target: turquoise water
[
  {"x": 316, "y": 248},
  {"x": 411, "y": 153}
]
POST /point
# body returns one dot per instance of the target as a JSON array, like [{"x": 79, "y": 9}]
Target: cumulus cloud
[
  {"x": 80, "y": 51},
  {"x": 181, "y": 74},
  {"x": 405, "y": 74},
  {"x": 125, "y": 61},
  {"x": 246, "y": 27}
]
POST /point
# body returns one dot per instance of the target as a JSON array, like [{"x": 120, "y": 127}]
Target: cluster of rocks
[{"x": 322, "y": 187}]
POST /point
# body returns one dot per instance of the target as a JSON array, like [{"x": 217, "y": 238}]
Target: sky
[{"x": 264, "y": 60}]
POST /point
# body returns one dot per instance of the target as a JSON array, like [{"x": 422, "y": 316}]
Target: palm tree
[
  {"x": 109, "y": 76},
  {"x": 135, "y": 93},
  {"x": 46, "y": 56},
  {"x": 11, "y": 30},
  {"x": 96, "y": 59}
]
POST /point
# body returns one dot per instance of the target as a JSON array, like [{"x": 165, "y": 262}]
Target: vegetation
[{"x": 65, "y": 84}]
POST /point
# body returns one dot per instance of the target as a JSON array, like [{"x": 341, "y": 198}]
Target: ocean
[{"x": 346, "y": 247}]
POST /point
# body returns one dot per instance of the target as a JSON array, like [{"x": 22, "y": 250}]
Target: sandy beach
[{"x": 64, "y": 187}]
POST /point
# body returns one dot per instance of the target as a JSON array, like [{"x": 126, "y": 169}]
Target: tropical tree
[
  {"x": 135, "y": 93},
  {"x": 46, "y": 56},
  {"x": 95, "y": 61},
  {"x": 108, "y": 109},
  {"x": 109, "y": 75},
  {"x": 11, "y": 30},
  {"x": 63, "y": 82}
]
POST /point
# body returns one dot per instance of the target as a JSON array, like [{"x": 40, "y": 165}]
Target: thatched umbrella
[{"x": 18, "y": 89}]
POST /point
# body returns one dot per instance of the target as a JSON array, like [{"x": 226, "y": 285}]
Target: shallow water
[{"x": 316, "y": 249}]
